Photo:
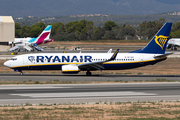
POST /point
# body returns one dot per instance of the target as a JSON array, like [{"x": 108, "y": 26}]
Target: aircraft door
[
  {"x": 25, "y": 60},
  {"x": 141, "y": 59}
]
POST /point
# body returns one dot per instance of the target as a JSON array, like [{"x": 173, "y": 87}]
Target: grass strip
[{"x": 144, "y": 110}]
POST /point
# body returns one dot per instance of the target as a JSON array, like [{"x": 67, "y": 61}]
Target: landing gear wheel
[
  {"x": 88, "y": 73},
  {"x": 21, "y": 74}
]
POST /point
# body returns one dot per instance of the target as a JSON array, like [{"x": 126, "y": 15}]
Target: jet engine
[{"x": 70, "y": 69}]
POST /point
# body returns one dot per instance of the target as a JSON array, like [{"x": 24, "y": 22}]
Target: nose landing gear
[{"x": 21, "y": 73}]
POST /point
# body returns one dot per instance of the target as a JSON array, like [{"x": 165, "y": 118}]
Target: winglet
[
  {"x": 110, "y": 50},
  {"x": 114, "y": 55}
]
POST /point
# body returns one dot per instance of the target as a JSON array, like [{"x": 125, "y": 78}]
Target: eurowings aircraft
[
  {"x": 28, "y": 43},
  {"x": 68, "y": 63}
]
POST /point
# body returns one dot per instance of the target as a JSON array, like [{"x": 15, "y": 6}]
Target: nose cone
[{"x": 7, "y": 64}]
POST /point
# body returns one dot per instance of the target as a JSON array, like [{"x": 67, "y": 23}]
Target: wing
[{"x": 98, "y": 65}]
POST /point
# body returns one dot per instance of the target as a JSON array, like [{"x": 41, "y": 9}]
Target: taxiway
[{"x": 80, "y": 77}]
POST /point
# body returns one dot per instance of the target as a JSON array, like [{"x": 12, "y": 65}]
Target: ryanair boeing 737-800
[{"x": 75, "y": 62}]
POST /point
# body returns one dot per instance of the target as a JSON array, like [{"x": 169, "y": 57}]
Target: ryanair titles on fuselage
[{"x": 41, "y": 59}]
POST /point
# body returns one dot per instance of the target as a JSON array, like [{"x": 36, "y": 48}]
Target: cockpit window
[{"x": 13, "y": 59}]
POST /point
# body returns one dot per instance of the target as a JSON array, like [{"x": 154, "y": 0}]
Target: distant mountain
[
  {"x": 169, "y": 1},
  {"x": 18, "y": 8}
]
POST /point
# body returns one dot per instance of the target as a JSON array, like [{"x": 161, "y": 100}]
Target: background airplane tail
[
  {"x": 44, "y": 35},
  {"x": 159, "y": 42}
]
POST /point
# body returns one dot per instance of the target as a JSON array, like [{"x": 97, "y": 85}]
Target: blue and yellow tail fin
[{"x": 159, "y": 42}]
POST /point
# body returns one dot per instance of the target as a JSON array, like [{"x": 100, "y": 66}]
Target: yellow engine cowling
[{"x": 70, "y": 69}]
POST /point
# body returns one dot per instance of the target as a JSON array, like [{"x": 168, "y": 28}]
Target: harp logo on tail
[{"x": 161, "y": 40}]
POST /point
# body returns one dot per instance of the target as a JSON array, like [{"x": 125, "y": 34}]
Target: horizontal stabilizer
[{"x": 164, "y": 55}]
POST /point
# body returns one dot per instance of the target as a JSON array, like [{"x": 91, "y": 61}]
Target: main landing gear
[
  {"x": 21, "y": 73},
  {"x": 88, "y": 73},
  {"x": 173, "y": 47}
]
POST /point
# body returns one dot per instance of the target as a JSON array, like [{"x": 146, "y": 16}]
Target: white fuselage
[
  {"x": 22, "y": 40},
  {"x": 174, "y": 41},
  {"x": 54, "y": 61}
]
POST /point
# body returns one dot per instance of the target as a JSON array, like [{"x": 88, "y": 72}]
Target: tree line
[
  {"x": 85, "y": 30},
  {"x": 98, "y": 20}
]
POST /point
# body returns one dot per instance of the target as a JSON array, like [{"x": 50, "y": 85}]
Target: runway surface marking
[
  {"x": 86, "y": 94},
  {"x": 170, "y": 97},
  {"x": 30, "y": 87}
]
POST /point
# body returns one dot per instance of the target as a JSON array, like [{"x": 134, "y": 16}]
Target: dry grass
[
  {"x": 171, "y": 66},
  {"x": 97, "y": 45},
  {"x": 123, "y": 111},
  {"x": 111, "y": 42}
]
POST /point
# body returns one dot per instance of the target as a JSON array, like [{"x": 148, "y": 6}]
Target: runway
[
  {"x": 88, "y": 93},
  {"x": 83, "y": 77}
]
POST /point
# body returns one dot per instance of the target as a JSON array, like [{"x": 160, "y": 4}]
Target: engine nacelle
[{"x": 70, "y": 69}]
